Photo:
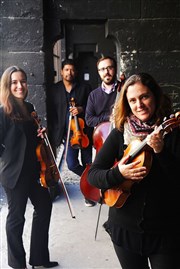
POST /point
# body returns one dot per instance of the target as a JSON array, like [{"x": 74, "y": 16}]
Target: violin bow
[
  {"x": 46, "y": 139},
  {"x": 62, "y": 183},
  {"x": 68, "y": 135}
]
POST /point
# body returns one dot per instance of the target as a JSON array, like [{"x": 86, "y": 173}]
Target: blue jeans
[{"x": 73, "y": 156}]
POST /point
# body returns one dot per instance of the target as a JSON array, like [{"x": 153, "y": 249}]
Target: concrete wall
[
  {"x": 145, "y": 32},
  {"x": 21, "y": 34}
]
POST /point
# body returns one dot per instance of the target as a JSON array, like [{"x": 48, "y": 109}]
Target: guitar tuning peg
[{"x": 165, "y": 118}]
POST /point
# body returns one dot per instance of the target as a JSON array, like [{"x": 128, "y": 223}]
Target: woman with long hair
[
  {"x": 20, "y": 172},
  {"x": 136, "y": 170}
]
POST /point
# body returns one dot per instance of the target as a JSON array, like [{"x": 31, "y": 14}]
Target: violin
[
  {"x": 79, "y": 139},
  {"x": 137, "y": 150},
  {"x": 49, "y": 174}
]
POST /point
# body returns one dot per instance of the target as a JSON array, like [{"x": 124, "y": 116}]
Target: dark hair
[{"x": 68, "y": 62}]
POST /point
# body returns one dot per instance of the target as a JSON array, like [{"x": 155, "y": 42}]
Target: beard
[{"x": 108, "y": 79}]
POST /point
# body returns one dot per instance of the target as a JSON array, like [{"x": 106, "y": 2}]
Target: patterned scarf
[{"x": 134, "y": 128}]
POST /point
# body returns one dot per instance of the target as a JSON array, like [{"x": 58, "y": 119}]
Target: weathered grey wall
[
  {"x": 146, "y": 34},
  {"x": 21, "y": 33}
]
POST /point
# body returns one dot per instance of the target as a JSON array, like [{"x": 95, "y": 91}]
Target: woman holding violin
[
  {"x": 144, "y": 228},
  {"x": 20, "y": 172},
  {"x": 67, "y": 104}
]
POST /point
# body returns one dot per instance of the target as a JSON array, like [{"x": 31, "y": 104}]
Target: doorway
[{"x": 85, "y": 42}]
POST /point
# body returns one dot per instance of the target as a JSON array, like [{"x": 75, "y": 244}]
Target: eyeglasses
[{"x": 108, "y": 68}]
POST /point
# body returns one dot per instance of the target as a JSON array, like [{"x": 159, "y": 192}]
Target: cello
[{"x": 101, "y": 132}]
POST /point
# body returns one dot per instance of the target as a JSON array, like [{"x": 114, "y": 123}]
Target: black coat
[
  {"x": 13, "y": 145},
  {"x": 59, "y": 106},
  {"x": 154, "y": 204}
]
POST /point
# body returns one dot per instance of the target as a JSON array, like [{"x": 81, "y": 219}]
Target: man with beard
[
  {"x": 64, "y": 113},
  {"x": 101, "y": 100},
  {"x": 100, "y": 106}
]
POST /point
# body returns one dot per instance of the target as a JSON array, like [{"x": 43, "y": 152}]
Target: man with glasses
[{"x": 101, "y": 100}]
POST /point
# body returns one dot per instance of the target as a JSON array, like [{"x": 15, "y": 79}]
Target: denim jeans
[{"x": 78, "y": 158}]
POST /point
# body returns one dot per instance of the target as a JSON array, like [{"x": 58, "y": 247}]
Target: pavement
[{"x": 71, "y": 240}]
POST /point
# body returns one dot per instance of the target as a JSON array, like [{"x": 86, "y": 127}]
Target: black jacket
[
  {"x": 58, "y": 109},
  {"x": 13, "y": 145},
  {"x": 154, "y": 204}
]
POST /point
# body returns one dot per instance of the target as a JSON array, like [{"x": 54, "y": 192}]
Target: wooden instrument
[
  {"x": 49, "y": 174},
  {"x": 137, "y": 150},
  {"x": 101, "y": 132},
  {"x": 78, "y": 139}
]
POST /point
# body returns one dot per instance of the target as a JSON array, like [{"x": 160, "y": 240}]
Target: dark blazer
[
  {"x": 12, "y": 139},
  {"x": 59, "y": 106}
]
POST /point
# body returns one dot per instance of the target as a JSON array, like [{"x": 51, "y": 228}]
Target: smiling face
[
  {"x": 19, "y": 85},
  {"x": 141, "y": 101}
]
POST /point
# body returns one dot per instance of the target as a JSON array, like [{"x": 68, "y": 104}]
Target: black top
[
  {"x": 18, "y": 141},
  {"x": 59, "y": 111},
  {"x": 153, "y": 205}
]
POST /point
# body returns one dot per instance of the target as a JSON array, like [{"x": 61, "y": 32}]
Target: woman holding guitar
[
  {"x": 20, "y": 172},
  {"x": 140, "y": 184}
]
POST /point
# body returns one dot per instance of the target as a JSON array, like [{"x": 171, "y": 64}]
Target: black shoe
[
  {"x": 48, "y": 265},
  {"x": 51, "y": 264},
  {"x": 89, "y": 203}
]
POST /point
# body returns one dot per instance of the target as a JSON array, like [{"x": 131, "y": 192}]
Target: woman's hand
[
  {"x": 130, "y": 171},
  {"x": 41, "y": 132},
  {"x": 155, "y": 141}
]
